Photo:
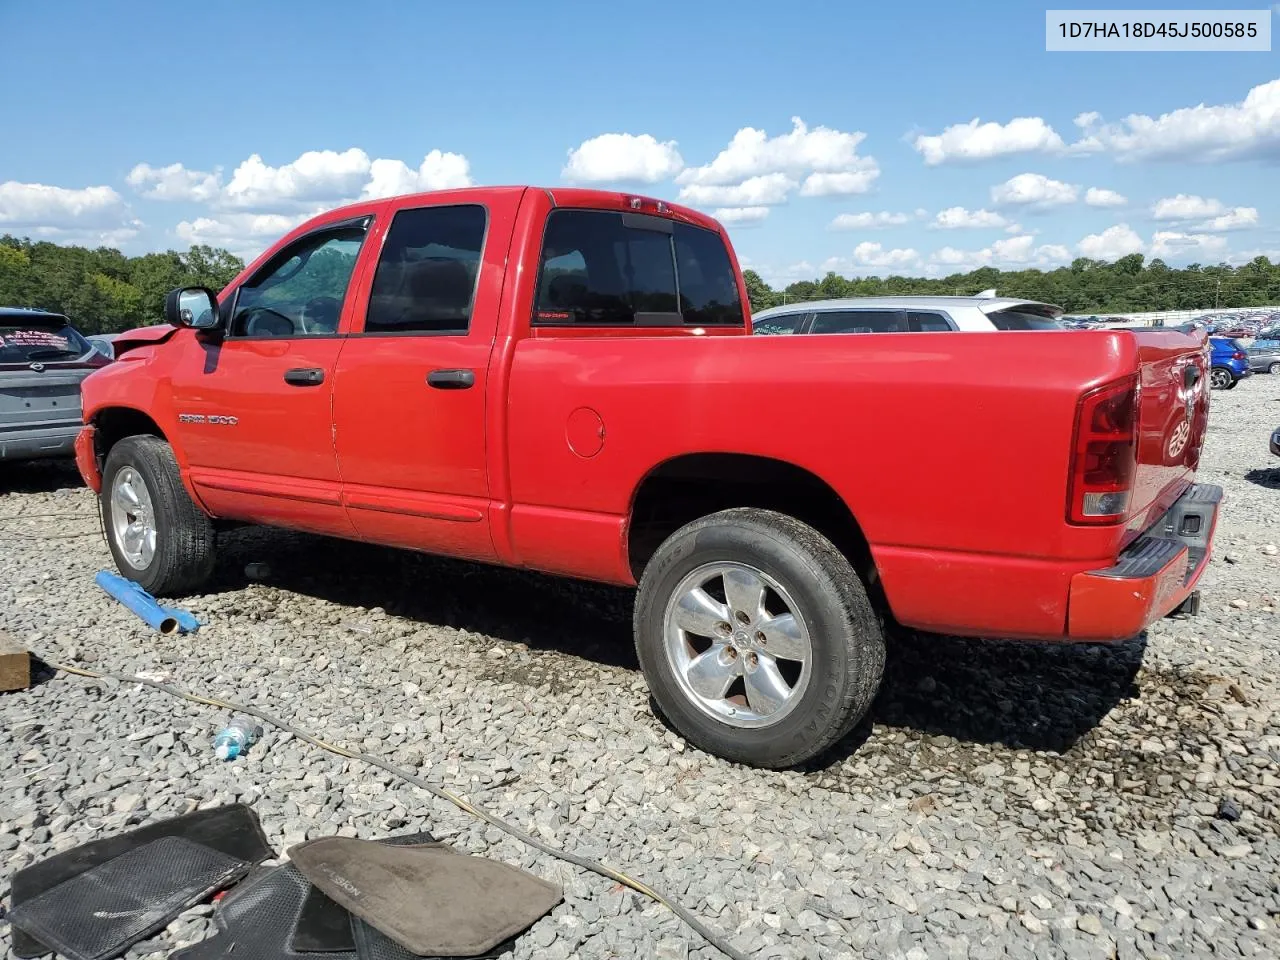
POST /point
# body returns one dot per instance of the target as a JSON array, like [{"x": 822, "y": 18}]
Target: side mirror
[{"x": 195, "y": 307}]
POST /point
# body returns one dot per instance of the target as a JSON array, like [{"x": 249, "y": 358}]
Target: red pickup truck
[{"x": 566, "y": 381}]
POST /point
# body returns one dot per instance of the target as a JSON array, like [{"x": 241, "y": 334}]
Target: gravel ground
[{"x": 1008, "y": 799}]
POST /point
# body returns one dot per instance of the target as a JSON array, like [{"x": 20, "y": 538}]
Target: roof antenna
[{"x": 987, "y": 294}]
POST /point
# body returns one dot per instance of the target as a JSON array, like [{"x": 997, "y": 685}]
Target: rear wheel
[
  {"x": 157, "y": 535},
  {"x": 1220, "y": 378},
  {"x": 1274, "y": 367},
  {"x": 757, "y": 638}
]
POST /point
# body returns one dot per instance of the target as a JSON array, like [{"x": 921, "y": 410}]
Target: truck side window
[
  {"x": 299, "y": 292},
  {"x": 860, "y": 321},
  {"x": 603, "y": 268},
  {"x": 426, "y": 276}
]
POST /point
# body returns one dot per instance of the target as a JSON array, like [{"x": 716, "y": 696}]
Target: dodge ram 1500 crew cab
[{"x": 565, "y": 381}]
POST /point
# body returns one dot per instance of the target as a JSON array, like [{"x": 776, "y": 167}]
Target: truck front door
[
  {"x": 254, "y": 409},
  {"x": 410, "y": 386}
]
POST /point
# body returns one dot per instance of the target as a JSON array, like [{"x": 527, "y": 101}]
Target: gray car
[{"x": 43, "y": 359}]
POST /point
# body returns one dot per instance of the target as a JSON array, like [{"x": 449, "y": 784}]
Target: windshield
[
  {"x": 31, "y": 342},
  {"x": 1021, "y": 320}
]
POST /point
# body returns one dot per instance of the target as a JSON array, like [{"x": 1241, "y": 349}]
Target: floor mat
[
  {"x": 372, "y": 944},
  {"x": 233, "y": 830},
  {"x": 102, "y": 912},
  {"x": 324, "y": 926},
  {"x": 256, "y": 921},
  {"x": 474, "y": 903}
]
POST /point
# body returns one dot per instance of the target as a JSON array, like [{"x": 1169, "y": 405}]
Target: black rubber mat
[
  {"x": 429, "y": 898},
  {"x": 324, "y": 926},
  {"x": 256, "y": 921},
  {"x": 102, "y": 912},
  {"x": 233, "y": 830}
]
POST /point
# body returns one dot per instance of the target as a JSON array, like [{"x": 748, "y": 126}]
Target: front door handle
[
  {"x": 451, "y": 379},
  {"x": 304, "y": 376}
]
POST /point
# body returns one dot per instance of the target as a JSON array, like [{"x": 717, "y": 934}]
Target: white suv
[{"x": 908, "y": 315}]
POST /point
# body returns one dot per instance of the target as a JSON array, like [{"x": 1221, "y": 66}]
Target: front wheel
[
  {"x": 1220, "y": 378},
  {"x": 157, "y": 535},
  {"x": 1274, "y": 367},
  {"x": 757, "y": 638}
]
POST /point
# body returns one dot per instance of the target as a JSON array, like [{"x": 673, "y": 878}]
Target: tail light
[
  {"x": 1239, "y": 356},
  {"x": 1104, "y": 453}
]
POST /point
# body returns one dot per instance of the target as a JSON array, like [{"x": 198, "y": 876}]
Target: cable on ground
[{"x": 586, "y": 863}]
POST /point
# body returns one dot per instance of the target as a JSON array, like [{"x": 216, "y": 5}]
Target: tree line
[
  {"x": 1129, "y": 285},
  {"x": 102, "y": 290}
]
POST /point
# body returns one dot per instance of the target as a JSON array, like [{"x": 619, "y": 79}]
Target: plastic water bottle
[{"x": 235, "y": 739}]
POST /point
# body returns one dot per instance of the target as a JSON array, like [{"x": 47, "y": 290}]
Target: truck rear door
[{"x": 410, "y": 384}]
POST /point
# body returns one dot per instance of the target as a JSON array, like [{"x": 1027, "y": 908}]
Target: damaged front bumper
[{"x": 1152, "y": 577}]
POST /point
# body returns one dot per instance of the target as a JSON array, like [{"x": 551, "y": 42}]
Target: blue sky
[{"x": 827, "y": 136}]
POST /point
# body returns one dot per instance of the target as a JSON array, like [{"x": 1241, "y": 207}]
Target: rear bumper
[
  {"x": 87, "y": 458},
  {"x": 1152, "y": 576},
  {"x": 38, "y": 443}
]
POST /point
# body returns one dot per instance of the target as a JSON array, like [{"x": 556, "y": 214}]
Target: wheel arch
[{"x": 684, "y": 488}]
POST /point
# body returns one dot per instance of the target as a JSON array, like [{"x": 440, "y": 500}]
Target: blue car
[{"x": 1228, "y": 363}]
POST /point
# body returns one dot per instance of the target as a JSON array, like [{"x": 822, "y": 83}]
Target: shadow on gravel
[
  {"x": 38, "y": 476},
  {"x": 547, "y": 613},
  {"x": 1269, "y": 478},
  {"x": 1037, "y": 696}
]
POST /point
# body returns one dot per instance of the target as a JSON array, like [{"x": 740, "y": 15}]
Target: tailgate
[
  {"x": 48, "y": 398},
  {"x": 1173, "y": 416}
]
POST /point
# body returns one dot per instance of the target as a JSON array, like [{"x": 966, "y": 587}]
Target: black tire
[
  {"x": 1220, "y": 378},
  {"x": 185, "y": 539},
  {"x": 845, "y": 633},
  {"x": 1274, "y": 368},
  {"x": 1233, "y": 384}
]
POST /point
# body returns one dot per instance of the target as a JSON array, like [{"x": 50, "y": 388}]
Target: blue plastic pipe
[{"x": 157, "y": 617}]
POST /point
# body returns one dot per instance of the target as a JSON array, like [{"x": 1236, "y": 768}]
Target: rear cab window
[
  {"x": 39, "y": 340},
  {"x": 602, "y": 268}
]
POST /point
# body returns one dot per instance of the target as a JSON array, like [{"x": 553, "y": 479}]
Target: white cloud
[
  {"x": 245, "y": 234},
  {"x": 41, "y": 205},
  {"x": 869, "y": 221},
  {"x": 843, "y": 183},
  {"x": 1167, "y": 244},
  {"x": 1111, "y": 244},
  {"x": 982, "y": 141},
  {"x": 317, "y": 176},
  {"x": 752, "y": 153},
  {"x": 438, "y": 171},
  {"x": 1246, "y": 130},
  {"x": 1019, "y": 251},
  {"x": 1098, "y": 197},
  {"x": 868, "y": 254},
  {"x": 622, "y": 158},
  {"x": 1034, "y": 190},
  {"x": 958, "y": 218},
  {"x": 1185, "y": 207},
  {"x": 174, "y": 182},
  {"x": 765, "y": 190},
  {"x": 1239, "y": 218},
  {"x": 740, "y": 214}
]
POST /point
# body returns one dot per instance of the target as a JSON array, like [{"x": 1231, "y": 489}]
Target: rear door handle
[
  {"x": 451, "y": 379},
  {"x": 304, "y": 376}
]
